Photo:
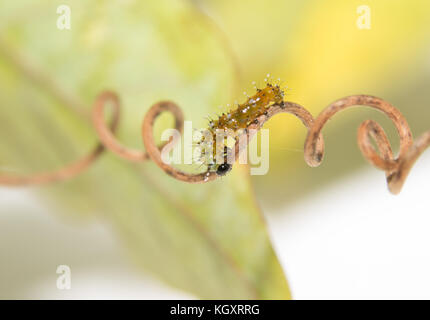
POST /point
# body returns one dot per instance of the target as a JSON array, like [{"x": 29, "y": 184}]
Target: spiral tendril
[{"x": 382, "y": 157}]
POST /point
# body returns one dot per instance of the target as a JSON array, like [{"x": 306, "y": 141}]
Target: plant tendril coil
[{"x": 395, "y": 168}]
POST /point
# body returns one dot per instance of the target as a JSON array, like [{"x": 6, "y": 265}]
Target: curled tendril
[
  {"x": 396, "y": 168},
  {"x": 69, "y": 170}
]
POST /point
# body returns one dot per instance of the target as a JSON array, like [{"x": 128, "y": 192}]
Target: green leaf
[{"x": 211, "y": 239}]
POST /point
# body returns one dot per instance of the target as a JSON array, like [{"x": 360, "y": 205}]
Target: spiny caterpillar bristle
[{"x": 237, "y": 119}]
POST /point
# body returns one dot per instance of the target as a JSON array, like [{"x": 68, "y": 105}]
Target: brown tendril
[
  {"x": 107, "y": 136},
  {"x": 396, "y": 168},
  {"x": 154, "y": 152},
  {"x": 72, "y": 169}
]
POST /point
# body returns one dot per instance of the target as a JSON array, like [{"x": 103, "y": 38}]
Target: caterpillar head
[{"x": 223, "y": 169}]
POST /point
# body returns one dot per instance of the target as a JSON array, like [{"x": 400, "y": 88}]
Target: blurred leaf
[{"x": 211, "y": 239}]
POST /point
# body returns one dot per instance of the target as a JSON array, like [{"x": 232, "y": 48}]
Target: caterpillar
[
  {"x": 235, "y": 121},
  {"x": 248, "y": 116}
]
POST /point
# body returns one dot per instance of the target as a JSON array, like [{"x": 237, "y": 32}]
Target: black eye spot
[{"x": 223, "y": 169}]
